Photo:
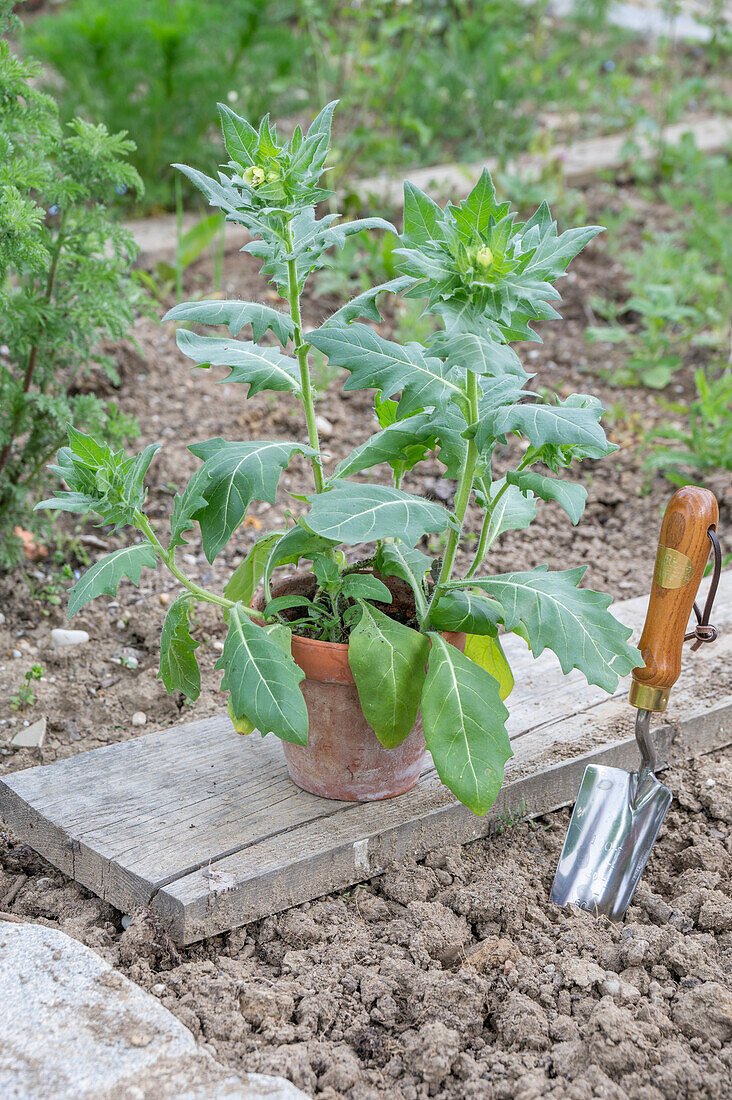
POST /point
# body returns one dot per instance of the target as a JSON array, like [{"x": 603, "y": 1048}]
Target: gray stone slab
[{"x": 73, "y": 1028}]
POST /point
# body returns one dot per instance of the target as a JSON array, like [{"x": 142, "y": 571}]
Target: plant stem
[
  {"x": 142, "y": 523},
  {"x": 301, "y": 350},
  {"x": 485, "y": 529},
  {"x": 465, "y": 487}
]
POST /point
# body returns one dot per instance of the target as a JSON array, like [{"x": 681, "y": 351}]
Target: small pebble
[
  {"x": 218, "y": 644},
  {"x": 324, "y": 426},
  {"x": 159, "y": 989},
  {"x": 2, "y": 619},
  {"x": 61, "y": 638},
  {"x": 710, "y": 783},
  {"x": 17, "y": 654},
  {"x": 126, "y": 922},
  {"x": 139, "y": 718}
]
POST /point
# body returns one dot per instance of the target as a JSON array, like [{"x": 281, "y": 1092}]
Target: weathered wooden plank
[
  {"x": 207, "y": 826},
  {"x": 347, "y": 848}
]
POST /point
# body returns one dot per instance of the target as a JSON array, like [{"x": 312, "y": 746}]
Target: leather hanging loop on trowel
[{"x": 618, "y": 814}]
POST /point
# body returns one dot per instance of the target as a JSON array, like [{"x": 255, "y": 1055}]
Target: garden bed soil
[
  {"x": 378, "y": 992},
  {"x": 456, "y": 977}
]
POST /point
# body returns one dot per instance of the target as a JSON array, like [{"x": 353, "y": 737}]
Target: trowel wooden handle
[{"x": 683, "y": 549}]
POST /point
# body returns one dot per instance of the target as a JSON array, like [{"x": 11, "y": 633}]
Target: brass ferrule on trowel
[{"x": 688, "y": 532}]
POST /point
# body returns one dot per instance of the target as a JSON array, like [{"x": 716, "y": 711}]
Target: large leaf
[
  {"x": 240, "y": 138},
  {"x": 568, "y": 494},
  {"x": 364, "y": 305},
  {"x": 260, "y": 368},
  {"x": 383, "y": 365},
  {"x": 486, "y": 651},
  {"x": 394, "y": 559},
  {"x": 561, "y": 424},
  {"x": 179, "y": 669},
  {"x": 242, "y": 583},
  {"x": 232, "y": 476},
  {"x": 423, "y": 218},
  {"x": 263, "y": 681},
  {"x": 464, "y": 725},
  {"x": 478, "y": 354},
  {"x": 235, "y": 315},
  {"x": 364, "y": 513},
  {"x": 104, "y": 577},
  {"x": 406, "y": 441},
  {"x": 460, "y": 609},
  {"x": 388, "y": 663},
  {"x": 573, "y": 622}
]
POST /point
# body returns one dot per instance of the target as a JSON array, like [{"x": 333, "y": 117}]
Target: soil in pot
[{"x": 343, "y": 758}]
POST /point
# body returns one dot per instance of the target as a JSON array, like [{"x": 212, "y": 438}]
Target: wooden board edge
[
  {"x": 104, "y": 877},
  {"x": 312, "y": 871}
]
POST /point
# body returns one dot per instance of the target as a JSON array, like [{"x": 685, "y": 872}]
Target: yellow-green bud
[
  {"x": 254, "y": 176},
  {"x": 273, "y": 175},
  {"x": 484, "y": 257}
]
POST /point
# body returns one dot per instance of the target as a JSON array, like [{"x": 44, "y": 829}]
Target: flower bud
[
  {"x": 484, "y": 257},
  {"x": 254, "y": 176}
]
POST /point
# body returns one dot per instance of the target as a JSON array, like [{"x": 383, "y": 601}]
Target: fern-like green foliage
[{"x": 65, "y": 281}]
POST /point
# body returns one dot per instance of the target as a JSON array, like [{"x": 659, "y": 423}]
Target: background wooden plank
[{"x": 208, "y": 825}]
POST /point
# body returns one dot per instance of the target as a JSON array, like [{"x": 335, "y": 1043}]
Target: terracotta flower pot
[{"x": 343, "y": 758}]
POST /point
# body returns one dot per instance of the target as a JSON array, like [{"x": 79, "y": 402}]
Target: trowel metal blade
[{"x": 614, "y": 824}]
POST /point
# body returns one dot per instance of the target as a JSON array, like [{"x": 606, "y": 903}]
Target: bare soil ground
[{"x": 456, "y": 977}]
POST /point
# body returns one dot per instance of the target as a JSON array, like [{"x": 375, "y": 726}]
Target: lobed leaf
[
  {"x": 260, "y": 368},
  {"x": 573, "y": 622},
  {"x": 232, "y": 476},
  {"x": 568, "y": 494},
  {"x": 103, "y": 578},
  {"x": 179, "y": 669},
  {"x": 235, "y": 315}
]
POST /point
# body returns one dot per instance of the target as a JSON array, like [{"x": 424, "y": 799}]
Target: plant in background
[
  {"x": 485, "y": 278},
  {"x": 703, "y": 443},
  {"x": 25, "y": 696},
  {"x": 65, "y": 281}
]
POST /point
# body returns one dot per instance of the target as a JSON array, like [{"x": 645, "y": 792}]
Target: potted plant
[{"x": 378, "y": 648}]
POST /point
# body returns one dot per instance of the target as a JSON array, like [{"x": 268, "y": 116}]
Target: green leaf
[
  {"x": 464, "y": 725},
  {"x": 459, "y": 609},
  {"x": 512, "y": 512},
  {"x": 362, "y": 586},
  {"x": 236, "y": 315},
  {"x": 568, "y": 494},
  {"x": 473, "y": 352},
  {"x": 474, "y": 214},
  {"x": 225, "y": 198},
  {"x": 185, "y": 507},
  {"x": 179, "y": 669},
  {"x": 405, "y": 441},
  {"x": 554, "y": 254},
  {"x": 364, "y": 513},
  {"x": 240, "y": 138},
  {"x": 232, "y": 476},
  {"x": 104, "y": 577},
  {"x": 388, "y": 664},
  {"x": 394, "y": 559},
  {"x": 423, "y": 218},
  {"x": 383, "y": 365},
  {"x": 263, "y": 680},
  {"x": 486, "y": 651},
  {"x": 573, "y": 622},
  {"x": 562, "y": 424},
  {"x": 242, "y": 583},
  {"x": 298, "y": 542},
  {"x": 261, "y": 368},
  {"x": 364, "y": 305}
]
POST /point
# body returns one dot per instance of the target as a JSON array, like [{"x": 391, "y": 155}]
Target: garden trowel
[{"x": 618, "y": 814}]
